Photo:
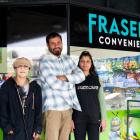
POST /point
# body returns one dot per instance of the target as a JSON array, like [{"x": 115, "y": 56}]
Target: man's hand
[
  {"x": 72, "y": 126},
  {"x": 62, "y": 77},
  {"x": 36, "y": 136}
]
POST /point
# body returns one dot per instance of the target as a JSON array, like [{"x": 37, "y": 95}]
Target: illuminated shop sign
[
  {"x": 100, "y": 28},
  {"x": 121, "y": 28}
]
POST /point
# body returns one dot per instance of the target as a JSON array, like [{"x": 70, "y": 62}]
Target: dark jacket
[
  {"x": 87, "y": 93},
  {"x": 11, "y": 116}
]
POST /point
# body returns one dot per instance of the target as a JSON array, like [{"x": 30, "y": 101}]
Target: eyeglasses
[{"x": 22, "y": 66}]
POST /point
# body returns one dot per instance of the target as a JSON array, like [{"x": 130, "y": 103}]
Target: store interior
[{"x": 119, "y": 72}]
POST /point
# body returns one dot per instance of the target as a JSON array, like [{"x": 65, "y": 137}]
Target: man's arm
[
  {"x": 77, "y": 75},
  {"x": 55, "y": 82},
  {"x": 101, "y": 97}
]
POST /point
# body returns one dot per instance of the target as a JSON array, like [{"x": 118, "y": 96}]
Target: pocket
[
  {"x": 47, "y": 113},
  {"x": 71, "y": 111},
  {"x": 44, "y": 120},
  {"x": 45, "y": 117}
]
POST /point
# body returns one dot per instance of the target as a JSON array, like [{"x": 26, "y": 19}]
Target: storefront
[
  {"x": 113, "y": 42},
  {"x": 111, "y": 37}
]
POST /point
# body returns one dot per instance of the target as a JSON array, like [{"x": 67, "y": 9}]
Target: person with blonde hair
[{"x": 20, "y": 104}]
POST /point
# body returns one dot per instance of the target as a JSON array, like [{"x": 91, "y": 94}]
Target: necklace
[{"x": 21, "y": 82}]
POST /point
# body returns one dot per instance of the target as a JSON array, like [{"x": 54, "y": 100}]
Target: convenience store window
[{"x": 117, "y": 64}]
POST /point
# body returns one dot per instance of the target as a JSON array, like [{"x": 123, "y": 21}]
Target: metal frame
[{"x": 129, "y": 114}]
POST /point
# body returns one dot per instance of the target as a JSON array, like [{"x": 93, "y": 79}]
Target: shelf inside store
[{"x": 135, "y": 115}]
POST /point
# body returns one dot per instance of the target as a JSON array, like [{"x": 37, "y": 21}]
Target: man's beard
[{"x": 56, "y": 52}]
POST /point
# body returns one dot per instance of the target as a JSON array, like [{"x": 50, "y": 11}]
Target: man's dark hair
[{"x": 52, "y": 35}]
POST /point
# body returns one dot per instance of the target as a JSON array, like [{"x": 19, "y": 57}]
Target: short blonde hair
[{"x": 22, "y": 61}]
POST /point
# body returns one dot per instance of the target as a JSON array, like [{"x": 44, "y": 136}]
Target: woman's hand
[
  {"x": 36, "y": 136},
  {"x": 103, "y": 125}
]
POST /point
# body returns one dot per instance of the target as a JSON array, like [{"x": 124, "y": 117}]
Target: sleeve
[
  {"x": 38, "y": 111},
  {"x": 102, "y": 103},
  {"x": 4, "y": 111},
  {"x": 47, "y": 77},
  {"x": 77, "y": 76}
]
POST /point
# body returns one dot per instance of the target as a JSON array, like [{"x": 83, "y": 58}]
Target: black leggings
[{"x": 83, "y": 128}]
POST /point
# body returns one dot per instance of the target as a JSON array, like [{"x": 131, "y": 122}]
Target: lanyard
[{"x": 21, "y": 102}]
